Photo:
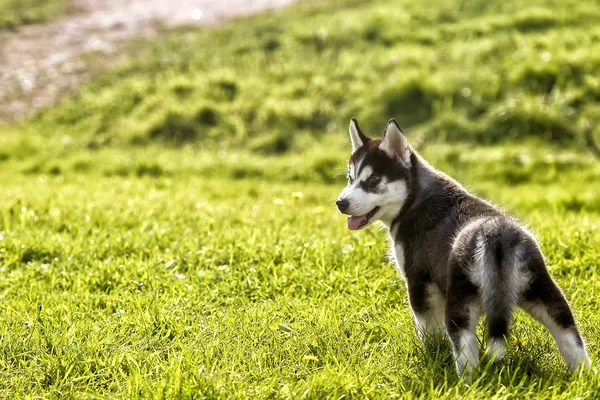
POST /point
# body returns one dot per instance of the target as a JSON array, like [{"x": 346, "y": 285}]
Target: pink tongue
[{"x": 354, "y": 222}]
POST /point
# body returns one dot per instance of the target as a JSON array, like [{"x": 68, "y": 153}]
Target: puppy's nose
[{"x": 342, "y": 205}]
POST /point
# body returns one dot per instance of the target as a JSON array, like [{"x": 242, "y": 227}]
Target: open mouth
[{"x": 357, "y": 222}]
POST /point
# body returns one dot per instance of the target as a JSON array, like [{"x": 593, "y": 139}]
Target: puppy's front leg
[{"x": 428, "y": 306}]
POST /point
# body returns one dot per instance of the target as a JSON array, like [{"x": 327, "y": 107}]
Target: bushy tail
[{"x": 499, "y": 284}]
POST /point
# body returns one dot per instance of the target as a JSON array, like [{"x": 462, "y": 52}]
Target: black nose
[{"x": 342, "y": 205}]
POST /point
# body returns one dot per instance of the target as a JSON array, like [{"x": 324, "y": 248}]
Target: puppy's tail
[{"x": 498, "y": 253}]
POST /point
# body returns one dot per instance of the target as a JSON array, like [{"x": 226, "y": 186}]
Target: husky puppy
[{"x": 460, "y": 256}]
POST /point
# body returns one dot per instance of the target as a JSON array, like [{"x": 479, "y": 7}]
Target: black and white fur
[{"x": 461, "y": 257}]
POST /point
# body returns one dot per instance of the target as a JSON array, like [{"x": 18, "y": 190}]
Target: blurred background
[
  {"x": 280, "y": 78},
  {"x": 139, "y": 72}
]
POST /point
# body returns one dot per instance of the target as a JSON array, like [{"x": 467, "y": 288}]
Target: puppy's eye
[
  {"x": 350, "y": 180},
  {"x": 373, "y": 180}
]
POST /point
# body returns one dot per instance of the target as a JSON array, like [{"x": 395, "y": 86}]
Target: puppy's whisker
[{"x": 343, "y": 172}]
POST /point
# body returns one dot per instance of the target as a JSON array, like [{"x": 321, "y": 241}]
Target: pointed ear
[
  {"x": 356, "y": 136},
  {"x": 394, "y": 142}
]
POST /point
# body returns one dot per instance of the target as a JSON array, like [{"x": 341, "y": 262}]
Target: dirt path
[{"x": 39, "y": 63}]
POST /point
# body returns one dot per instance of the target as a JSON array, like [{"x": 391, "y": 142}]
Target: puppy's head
[{"x": 378, "y": 177}]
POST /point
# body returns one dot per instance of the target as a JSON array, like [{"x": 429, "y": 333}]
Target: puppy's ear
[
  {"x": 356, "y": 136},
  {"x": 394, "y": 142}
]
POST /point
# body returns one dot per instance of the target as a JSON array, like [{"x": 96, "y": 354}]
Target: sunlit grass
[{"x": 192, "y": 281}]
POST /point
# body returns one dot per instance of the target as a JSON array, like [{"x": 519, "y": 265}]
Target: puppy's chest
[{"x": 397, "y": 252}]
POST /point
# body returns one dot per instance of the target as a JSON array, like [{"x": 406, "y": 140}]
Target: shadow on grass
[{"x": 523, "y": 366}]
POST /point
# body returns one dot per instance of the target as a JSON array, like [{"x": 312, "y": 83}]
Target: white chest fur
[{"x": 397, "y": 253}]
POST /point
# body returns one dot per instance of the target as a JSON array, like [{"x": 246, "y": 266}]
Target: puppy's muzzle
[{"x": 342, "y": 205}]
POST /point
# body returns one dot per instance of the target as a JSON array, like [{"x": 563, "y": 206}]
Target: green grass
[
  {"x": 14, "y": 13},
  {"x": 170, "y": 231},
  {"x": 186, "y": 283}
]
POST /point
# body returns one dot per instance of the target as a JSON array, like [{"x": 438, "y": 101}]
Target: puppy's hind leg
[
  {"x": 463, "y": 310},
  {"x": 547, "y": 304}
]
